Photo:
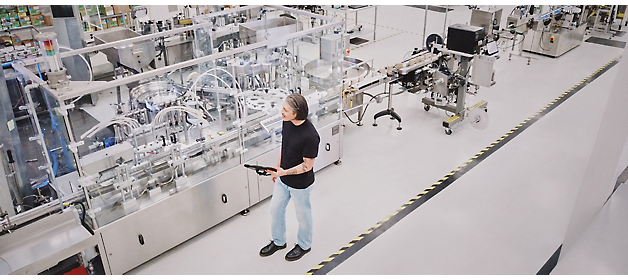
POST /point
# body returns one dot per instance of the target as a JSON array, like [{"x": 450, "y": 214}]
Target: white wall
[
  {"x": 623, "y": 160},
  {"x": 601, "y": 173}
]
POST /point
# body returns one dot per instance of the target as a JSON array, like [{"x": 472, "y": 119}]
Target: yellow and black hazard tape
[{"x": 358, "y": 243}]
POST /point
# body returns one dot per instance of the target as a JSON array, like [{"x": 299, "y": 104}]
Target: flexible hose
[{"x": 89, "y": 68}]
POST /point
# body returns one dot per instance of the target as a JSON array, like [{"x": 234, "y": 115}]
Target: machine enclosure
[{"x": 465, "y": 38}]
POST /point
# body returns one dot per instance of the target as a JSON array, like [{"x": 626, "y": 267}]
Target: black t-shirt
[{"x": 298, "y": 142}]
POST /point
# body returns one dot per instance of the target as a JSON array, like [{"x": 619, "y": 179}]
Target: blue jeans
[{"x": 281, "y": 196}]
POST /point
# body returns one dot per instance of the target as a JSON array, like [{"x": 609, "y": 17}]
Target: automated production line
[
  {"x": 167, "y": 139},
  {"x": 169, "y": 148}
]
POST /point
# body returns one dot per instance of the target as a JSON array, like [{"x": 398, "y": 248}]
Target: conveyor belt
[{"x": 365, "y": 238}]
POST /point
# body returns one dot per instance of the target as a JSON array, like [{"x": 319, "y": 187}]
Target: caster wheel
[
  {"x": 486, "y": 110},
  {"x": 245, "y": 212},
  {"x": 448, "y": 131},
  {"x": 426, "y": 108},
  {"x": 374, "y": 124},
  {"x": 399, "y": 128},
  {"x": 338, "y": 162},
  {"x": 359, "y": 124}
]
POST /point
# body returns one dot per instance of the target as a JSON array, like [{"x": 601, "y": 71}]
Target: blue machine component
[
  {"x": 552, "y": 13},
  {"x": 110, "y": 142}
]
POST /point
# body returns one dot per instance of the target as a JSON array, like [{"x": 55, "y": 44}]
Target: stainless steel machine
[
  {"x": 556, "y": 32},
  {"x": 445, "y": 74},
  {"x": 489, "y": 19},
  {"x": 156, "y": 161}
]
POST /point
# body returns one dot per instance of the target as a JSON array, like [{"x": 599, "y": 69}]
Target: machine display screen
[{"x": 491, "y": 48}]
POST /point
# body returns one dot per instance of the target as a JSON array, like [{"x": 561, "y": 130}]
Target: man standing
[{"x": 294, "y": 178}]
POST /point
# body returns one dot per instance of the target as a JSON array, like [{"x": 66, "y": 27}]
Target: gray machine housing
[{"x": 143, "y": 235}]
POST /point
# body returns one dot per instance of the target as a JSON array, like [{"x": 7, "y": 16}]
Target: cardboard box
[
  {"x": 106, "y": 10},
  {"x": 112, "y": 22},
  {"x": 6, "y": 39},
  {"x": 25, "y": 23},
  {"x": 121, "y": 21},
  {"x": 92, "y": 10},
  {"x": 15, "y": 24},
  {"x": 33, "y": 10},
  {"x": 121, "y": 9},
  {"x": 48, "y": 20},
  {"x": 29, "y": 42},
  {"x": 37, "y": 17},
  {"x": 22, "y": 9}
]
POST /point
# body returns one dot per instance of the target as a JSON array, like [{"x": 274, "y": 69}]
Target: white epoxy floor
[
  {"x": 602, "y": 247},
  {"x": 487, "y": 222}
]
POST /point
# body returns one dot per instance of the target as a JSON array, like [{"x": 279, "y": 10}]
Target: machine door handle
[
  {"x": 224, "y": 198},
  {"x": 10, "y": 155},
  {"x": 327, "y": 147},
  {"x": 141, "y": 239}
]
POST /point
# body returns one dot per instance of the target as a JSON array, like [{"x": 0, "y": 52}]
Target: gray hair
[{"x": 298, "y": 104}]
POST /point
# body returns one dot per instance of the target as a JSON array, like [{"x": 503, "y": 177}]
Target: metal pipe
[
  {"x": 60, "y": 95},
  {"x": 145, "y": 37},
  {"x": 41, "y": 210},
  {"x": 445, "y": 23},
  {"x": 40, "y": 138},
  {"x": 300, "y": 12},
  {"x": 424, "y": 26},
  {"x": 389, "y": 95},
  {"x": 375, "y": 24}
]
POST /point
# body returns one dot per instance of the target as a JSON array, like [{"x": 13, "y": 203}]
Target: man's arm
[{"x": 307, "y": 165}]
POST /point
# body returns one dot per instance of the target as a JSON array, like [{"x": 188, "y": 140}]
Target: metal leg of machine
[{"x": 390, "y": 111}]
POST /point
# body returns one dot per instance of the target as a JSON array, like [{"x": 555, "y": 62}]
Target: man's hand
[{"x": 280, "y": 172}]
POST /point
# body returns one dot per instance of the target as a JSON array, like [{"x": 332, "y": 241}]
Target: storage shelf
[
  {"x": 116, "y": 15},
  {"x": 95, "y": 17},
  {"x": 26, "y": 27}
]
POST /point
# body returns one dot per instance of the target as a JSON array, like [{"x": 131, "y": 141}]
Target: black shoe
[
  {"x": 296, "y": 253},
  {"x": 270, "y": 249}
]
